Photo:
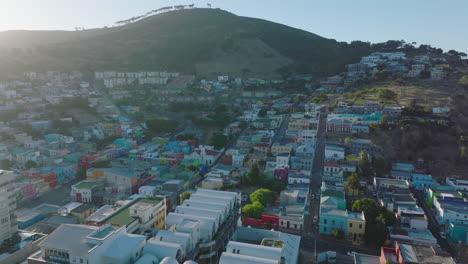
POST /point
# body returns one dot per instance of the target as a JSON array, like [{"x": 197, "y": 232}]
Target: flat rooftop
[
  {"x": 123, "y": 216},
  {"x": 47, "y": 208}
]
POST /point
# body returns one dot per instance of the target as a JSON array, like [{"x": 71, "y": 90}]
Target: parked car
[
  {"x": 351, "y": 253},
  {"x": 443, "y": 235},
  {"x": 315, "y": 220}
]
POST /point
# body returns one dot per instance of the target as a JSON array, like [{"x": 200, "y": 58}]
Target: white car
[
  {"x": 351, "y": 253},
  {"x": 443, "y": 235},
  {"x": 315, "y": 219},
  {"x": 437, "y": 246}
]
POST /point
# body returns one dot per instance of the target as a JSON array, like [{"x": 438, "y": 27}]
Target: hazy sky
[{"x": 439, "y": 23}]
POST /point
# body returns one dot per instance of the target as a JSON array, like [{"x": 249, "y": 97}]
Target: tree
[
  {"x": 254, "y": 175},
  {"x": 100, "y": 164},
  {"x": 30, "y": 164},
  {"x": 353, "y": 183},
  {"x": 337, "y": 234},
  {"x": 331, "y": 107},
  {"x": 157, "y": 126},
  {"x": 193, "y": 168},
  {"x": 387, "y": 218},
  {"x": 262, "y": 113},
  {"x": 253, "y": 210},
  {"x": 386, "y": 95},
  {"x": 275, "y": 185},
  {"x": 369, "y": 207},
  {"x": 376, "y": 234},
  {"x": 319, "y": 98},
  {"x": 381, "y": 66},
  {"x": 184, "y": 196},
  {"x": 263, "y": 196},
  {"x": 380, "y": 166},
  {"x": 384, "y": 121},
  {"x": 463, "y": 81},
  {"x": 218, "y": 141},
  {"x": 364, "y": 165},
  {"x": 347, "y": 140}
]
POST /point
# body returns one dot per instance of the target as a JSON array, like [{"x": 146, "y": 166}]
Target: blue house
[
  {"x": 457, "y": 232},
  {"x": 333, "y": 213},
  {"x": 421, "y": 181},
  {"x": 28, "y": 218}
]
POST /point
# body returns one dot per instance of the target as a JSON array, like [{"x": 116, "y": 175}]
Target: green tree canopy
[
  {"x": 254, "y": 175},
  {"x": 369, "y": 207},
  {"x": 337, "y": 234},
  {"x": 387, "y": 218},
  {"x": 184, "y": 196},
  {"x": 347, "y": 140},
  {"x": 319, "y": 98},
  {"x": 364, "y": 165},
  {"x": 384, "y": 121},
  {"x": 353, "y": 182},
  {"x": 263, "y": 196},
  {"x": 386, "y": 95},
  {"x": 218, "y": 141},
  {"x": 380, "y": 166},
  {"x": 30, "y": 164},
  {"x": 376, "y": 234},
  {"x": 157, "y": 126},
  {"x": 262, "y": 112},
  {"x": 253, "y": 210}
]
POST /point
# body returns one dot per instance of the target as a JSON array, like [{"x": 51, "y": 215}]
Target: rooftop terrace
[{"x": 123, "y": 216}]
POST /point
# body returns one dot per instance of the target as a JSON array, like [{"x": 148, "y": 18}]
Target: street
[
  {"x": 316, "y": 176},
  {"x": 432, "y": 223}
]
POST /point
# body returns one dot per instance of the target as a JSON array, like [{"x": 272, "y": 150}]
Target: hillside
[
  {"x": 202, "y": 41},
  {"x": 441, "y": 145}
]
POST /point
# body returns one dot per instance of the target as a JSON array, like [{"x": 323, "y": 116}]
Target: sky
[{"x": 439, "y": 23}]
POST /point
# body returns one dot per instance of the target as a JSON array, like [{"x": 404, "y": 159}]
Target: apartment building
[{"x": 8, "y": 222}]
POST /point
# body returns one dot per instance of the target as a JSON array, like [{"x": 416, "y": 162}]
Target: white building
[
  {"x": 89, "y": 244},
  {"x": 83, "y": 191},
  {"x": 147, "y": 191},
  {"x": 452, "y": 210},
  {"x": 334, "y": 153},
  {"x": 459, "y": 185},
  {"x": 8, "y": 222},
  {"x": 308, "y": 137},
  {"x": 251, "y": 245},
  {"x": 282, "y": 159}
]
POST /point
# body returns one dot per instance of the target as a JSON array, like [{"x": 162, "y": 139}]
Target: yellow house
[
  {"x": 277, "y": 148},
  {"x": 356, "y": 227}
]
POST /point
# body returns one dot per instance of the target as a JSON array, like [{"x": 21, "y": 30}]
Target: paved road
[
  {"x": 279, "y": 135},
  {"x": 316, "y": 175},
  {"x": 434, "y": 226}
]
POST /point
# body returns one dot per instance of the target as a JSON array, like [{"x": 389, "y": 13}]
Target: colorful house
[
  {"x": 333, "y": 214},
  {"x": 438, "y": 191}
]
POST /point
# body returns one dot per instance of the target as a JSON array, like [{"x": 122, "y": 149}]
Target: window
[
  {"x": 350, "y": 225},
  {"x": 324, "y": 229},
  {"x": 333, "y": 222},
  {"x": 325, "y": 221},
  {"x": 81, "y": 260},
  {"x": 360, "y": 226}
]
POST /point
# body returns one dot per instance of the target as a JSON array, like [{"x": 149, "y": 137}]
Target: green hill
[{"x": 202, "y": 41}]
